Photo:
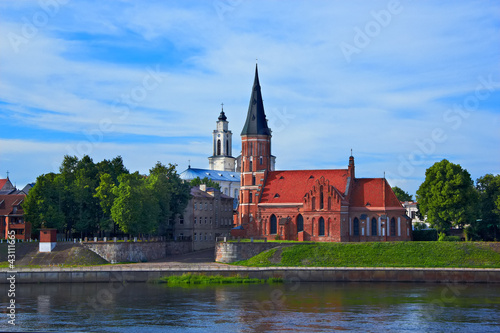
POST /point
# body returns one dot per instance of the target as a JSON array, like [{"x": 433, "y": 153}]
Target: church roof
[
  {"x": 369, "y": 192},
  {"x": 215, "y": 175},
  {"x": 256, "y": 123},
  {"x": 291, "y": 186}
]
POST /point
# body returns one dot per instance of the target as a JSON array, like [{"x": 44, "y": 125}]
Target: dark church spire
[{"x": 256, "y": 123}]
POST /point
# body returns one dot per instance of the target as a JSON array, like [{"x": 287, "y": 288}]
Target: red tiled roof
[
  {"x": 2, "y": 183},
  {"x": 291, "y": 186},
  {"x": 370, "y": 190},
  {"x": 7, "y": 201}
]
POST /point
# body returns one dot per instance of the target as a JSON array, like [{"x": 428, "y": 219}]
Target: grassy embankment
[
  {"x": 382, "y": 254},
  {"x": 199, "y": 279}
]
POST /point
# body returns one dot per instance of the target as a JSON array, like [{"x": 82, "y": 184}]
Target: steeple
[
  {"x": 256, "y": 123},
  {"x": 222, "y": 146}
]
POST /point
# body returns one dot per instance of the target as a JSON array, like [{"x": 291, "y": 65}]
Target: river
[{"x": 293, "y": 307}]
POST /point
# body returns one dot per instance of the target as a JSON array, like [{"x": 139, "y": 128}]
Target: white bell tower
[{"x": 222, "y": 158}]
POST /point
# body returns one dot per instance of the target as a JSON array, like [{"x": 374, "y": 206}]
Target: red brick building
[
  {"x": 310, "y": 205},
  {"x": 12, "y": 216}
]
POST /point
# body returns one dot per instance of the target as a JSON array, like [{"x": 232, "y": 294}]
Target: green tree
[
  {"x": 42, "y": 206},
  {"x": 135, "y": 208},
  {"x": 402, "y": 195},
  {"x": 104, "y": 193},
  {"x": 487, "y": 225},
  {"x": 447, "y": 196},
  {"x": 210, "y": 183}
]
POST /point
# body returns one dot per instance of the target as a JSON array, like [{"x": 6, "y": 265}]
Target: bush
[
  {"x": 451, "y": 239},
  {"x": 428, "y": 235}
]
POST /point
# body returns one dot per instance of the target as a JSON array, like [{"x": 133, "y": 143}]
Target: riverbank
[{"x": 143, "y": 273}]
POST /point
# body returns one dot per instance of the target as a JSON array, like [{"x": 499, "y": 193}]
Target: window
[
  {"x": 206, "y": 205},
  {"x": 251, "y": 164},
  {"x": 355, "y": 227},
  {"x": 321, "y": 197},
  {"x": 329, "y": 203},
  {"x": 313, "y": 203},
  {"x": 195, "y": 220},
  {"x": 300, "y": 223},
  {"x": 413, "y": 214},
  {"x": 261, "y": 160},
  {"x": 194, "y": 205},
  {"x": 227, "y": 148},
  {"x": 195, "y": 237},
  {"x": 218, "y": 147},
  {"x": 374, "y": 227},
  {"x": 253, "y": 180},
  {"x": 321, "y": 226},
  {"x": 205, "y": 220},
  {"x": 393, "y": 227},
  {"x": 250, "y": 199},
  {"x": 273, "y": 225},
  {"x": 181, "y": 219}
]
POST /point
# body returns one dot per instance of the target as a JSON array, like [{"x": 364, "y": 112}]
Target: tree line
[
  {"x": 87, "y": 198},
  {"x": 449, "y": 198}
]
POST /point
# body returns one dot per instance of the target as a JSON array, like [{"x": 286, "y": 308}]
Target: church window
[
  {"x": 355, "y": 227},
  {"x": 274, "y": 225},
  {"x": 313, "y": 203},
  {"x": 321, "y": 226},
  {"x": 393, "y": 227},
  {"x": 251, "y": 164},
  {"x": 374, "y": 227},
  {"x": 218, "y": 147},
  {"x": 227, "y": 148},
  {"x": 321, "y": 197},
  {"x": 300, "y": 223},
  {"x": 261, "y": 160}
]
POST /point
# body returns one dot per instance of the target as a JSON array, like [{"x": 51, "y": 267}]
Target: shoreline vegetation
[
  {"x": 381, "y": 254},
  {"x": 190, "y": 279}
]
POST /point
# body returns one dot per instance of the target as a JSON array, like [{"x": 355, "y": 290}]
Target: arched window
[
  {"x": 321, "y": 197},
  {"x": 321, "y": 226},
  {"x": 251, "y": 164},
  {"x": 313, "y": 203},
  {"x": 393, "y": 227},
  {"x": 218, "y": 147},
  {"x": 274, "y": 225},
  {"x": 300, "y": 223},
  {"x": 355, "y": 227},
  {"x": 374, "y": 227},
  {"x": 227, "y": 148}
]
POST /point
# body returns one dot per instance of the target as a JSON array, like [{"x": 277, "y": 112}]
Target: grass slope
[{"x": 382, "y": 254}]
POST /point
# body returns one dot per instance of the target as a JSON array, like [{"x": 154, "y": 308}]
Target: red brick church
[{"x": 309, "y": 205}]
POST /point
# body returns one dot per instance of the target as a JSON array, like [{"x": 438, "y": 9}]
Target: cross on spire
[
  {"x": 8, "y": 174},
  {"x": 222, "y": 105}
]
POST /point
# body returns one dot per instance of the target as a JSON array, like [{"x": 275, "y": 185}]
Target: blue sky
[{"x": 403, "y": 83}]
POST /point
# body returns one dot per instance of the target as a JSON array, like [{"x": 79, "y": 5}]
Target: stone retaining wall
[
  {"x": 137, "y": 251},
  {"x": 289, "y": 274}
]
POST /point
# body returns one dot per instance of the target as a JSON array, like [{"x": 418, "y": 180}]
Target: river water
[{"x": 292, "y": 307}]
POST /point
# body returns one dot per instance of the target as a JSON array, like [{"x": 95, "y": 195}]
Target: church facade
[{"x": 309, "y": 205}]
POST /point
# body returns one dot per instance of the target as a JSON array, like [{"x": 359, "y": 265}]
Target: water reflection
[{"x": 312, "y": 307}]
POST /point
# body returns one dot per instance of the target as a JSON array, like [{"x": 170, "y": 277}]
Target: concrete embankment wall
[
  {"x": 289, "y": 274},
  {"x": 137, "y": 251},
  {"x": 228, "y": 252}
]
